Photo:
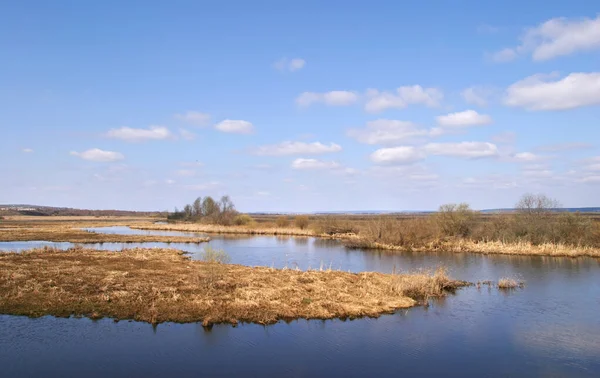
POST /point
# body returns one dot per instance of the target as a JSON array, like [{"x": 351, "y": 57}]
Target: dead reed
[{"x": 159, "y": 285}]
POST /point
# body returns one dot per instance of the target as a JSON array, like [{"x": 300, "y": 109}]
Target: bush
[
  {"x": 455, "y": 219},
  {"x": 211, "y": 255},
  {"x": 282, "y": 221},
  {"x": 410, "y": 233},
  {"x": 242, "y": 220},
  {"x": 331, "y": 225},
  {"x": 301, "y": 221}
]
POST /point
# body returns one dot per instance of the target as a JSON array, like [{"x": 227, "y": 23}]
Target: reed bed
[
  {"x": 67, "y": 234},
  {"x": 159, "y": 285},
  {"x": 218, "y": 229}
]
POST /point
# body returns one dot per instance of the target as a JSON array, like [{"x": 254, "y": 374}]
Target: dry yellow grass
[
  {"x": 509, "y": 283},
  {"x": 487, "y": 247},
  {"x": 217, "y": 229},
  {"x": 66, "y": 234},
  {"x": 158, "y": 285}
]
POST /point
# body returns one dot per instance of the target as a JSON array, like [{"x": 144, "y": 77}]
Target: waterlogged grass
[
  {"x": 507, "y": 283},
  {"x": 159, "y": 285}
]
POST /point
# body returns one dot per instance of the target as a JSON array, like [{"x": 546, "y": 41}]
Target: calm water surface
[{"x": 550, "y": 328}]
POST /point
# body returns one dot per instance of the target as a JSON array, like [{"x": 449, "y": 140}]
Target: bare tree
[
  {"x": 226, "y": 205},
  {"x": 197, "y": 207},
  {"x": 188, "y": 211},
  {"x": 536, "y": 204},
  {"x": 209, "y": 207}
]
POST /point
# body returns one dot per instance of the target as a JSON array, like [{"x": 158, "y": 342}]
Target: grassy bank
[
  {"x": 65, "y": 234},
  {"x": 218, "y": 229},
  {"x": 482, "y": 247},
  {"x": 155, "y": 286}
]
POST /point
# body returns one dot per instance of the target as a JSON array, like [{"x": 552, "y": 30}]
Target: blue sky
[{"x": 305, "y": 106}]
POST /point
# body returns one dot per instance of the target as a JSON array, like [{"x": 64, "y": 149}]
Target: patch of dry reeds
[{"x": 159, "y": 285}]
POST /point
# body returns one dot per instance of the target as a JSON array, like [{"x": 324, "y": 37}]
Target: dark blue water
[{"x": 550, "y": 328}]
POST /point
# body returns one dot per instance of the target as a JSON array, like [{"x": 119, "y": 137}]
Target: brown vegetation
[
  {"x": 63, "y": 234},
  {"x": 509, "y": 283},
  {"x": 158, "y": 285}
]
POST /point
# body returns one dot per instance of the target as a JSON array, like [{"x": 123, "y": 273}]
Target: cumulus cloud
[
  {"x": 559, "y": 147},
  {"x": 311, "y": 164},
  {"x": 402, "y": 97},
  {"x": 556, "y": 37},
  {"x": 186, "y": 134},
  {"x": 477, "y": 95},
  {"x": 468, "y": 150},
  {"x": 291, "y": 65},
  {"x": 507, "y": 137},
  {"x": 464, "y": 119},
  {"x": 96, "y": 154},
  {"x": 526, "y": 157},
  {"x": 27, "y": 150},
  {"x": 540, "y": 92},
  {"x": 235, "y": 126},
  {"x": 332, "y": 98},
  {"x": 297, "y": 148},
  {"x": 504, "y": 55},
  {"x": 388, "y": 131},
  {"x": 139, "y": 135},
  {"x": 194, "y": 118},
  {"x": 397, "y": 155}
]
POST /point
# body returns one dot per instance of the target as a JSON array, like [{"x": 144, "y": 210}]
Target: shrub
[
  {"x": 211, "y": 255},
  {"x": 410, "y": 233},
  {"x": 455, "y": 219},
  {"x": 242, "y": 220},
  {"x": 331, "y": 225},
  {"x": 301, "y": 221},
  {"x": 282, "y": 221}
]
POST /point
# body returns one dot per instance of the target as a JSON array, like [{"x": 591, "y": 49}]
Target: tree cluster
[{"x": 207, "y": 210}]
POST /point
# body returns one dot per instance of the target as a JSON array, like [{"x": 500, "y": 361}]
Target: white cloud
[
  {"x": 463, "y": 149},
  {"x": 27, "y": 150},
  {"x": 557, "y": 37},
  {"x": 538, "y": 93},
  {"x": 96, "y": 154},
  {"x": 302, "y": 163},
  {"x": 504, "y": 55},
  {"x": 477, "y": 95},
  {"x": 387, "y": 131},
  {"x": 297, "y": 148},
  {"x": 507, "y": 137},
  {"x": 590, "y": 179},
  {"x": 569, "y": 146},
  {"x": 203, "y": 186},
  {"x": 397, "y": 155},
  {"x": 404, "y": 96},
  {"x": 194, "y": 118},
  {"x": 285, "y": 64},
  {"x": 332, "y": 98},
  {"x": 138, "y": 135},
  {"x": 235, "y": 126},
  {"x": 169, "y": 182},
  {"x": 185, "y": 172},
  {"x": 464, "y": 119},
  {"x": 526, "y": 157},
  {"x": 186, "y": 134}
]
